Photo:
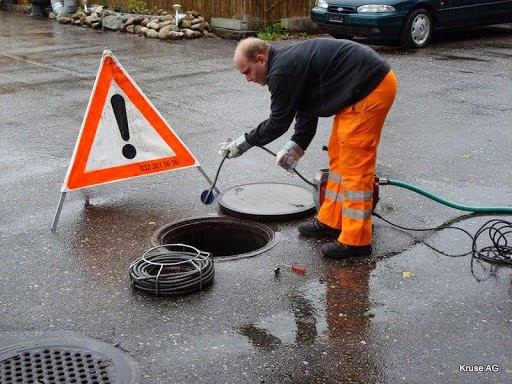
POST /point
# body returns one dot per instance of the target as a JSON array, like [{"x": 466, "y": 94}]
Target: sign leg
[{"x": 59, "y": 209}]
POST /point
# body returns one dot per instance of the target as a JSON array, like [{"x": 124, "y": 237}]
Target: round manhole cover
[
  {"x": 267, "y": 201},
  {"x": 223, "y": 236},
  {"x": 65, "y": 361}
]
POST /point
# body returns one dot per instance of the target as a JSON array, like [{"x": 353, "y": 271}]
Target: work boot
[
  {"x": 339, "y": 250},
  {"x": 316, "y": 228}
]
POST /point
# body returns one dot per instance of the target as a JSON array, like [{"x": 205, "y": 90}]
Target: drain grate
[
  {"x": 55, "y": 366},
  {"x": 58, "y": 363}
]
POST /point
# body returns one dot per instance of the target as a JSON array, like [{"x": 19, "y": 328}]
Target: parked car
[{"x": 411, "y": 22}]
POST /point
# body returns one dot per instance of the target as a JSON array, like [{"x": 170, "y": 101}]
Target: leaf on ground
[{"x": 408, "y": 275}]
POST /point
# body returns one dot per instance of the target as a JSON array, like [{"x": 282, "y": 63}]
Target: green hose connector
[{"x": 413, "y": 188}]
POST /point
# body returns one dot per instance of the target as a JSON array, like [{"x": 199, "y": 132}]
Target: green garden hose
[{"x": 398, "y": 183}]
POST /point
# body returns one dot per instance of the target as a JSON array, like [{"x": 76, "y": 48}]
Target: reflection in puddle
[
  {"x": 300, "y": 326},
  {"x": 347, "y": 301},
  {"x": 324, "y": 334},
  {"x": 338, "y": 308},
  {"x": 260, "y": 338}
]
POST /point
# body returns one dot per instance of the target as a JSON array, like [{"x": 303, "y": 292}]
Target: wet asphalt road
[{"x": 407, "y": 314}]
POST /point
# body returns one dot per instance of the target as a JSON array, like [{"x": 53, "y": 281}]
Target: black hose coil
[
  {"x": 172, "y": 269},
  {"x": 500, "y": 252}
]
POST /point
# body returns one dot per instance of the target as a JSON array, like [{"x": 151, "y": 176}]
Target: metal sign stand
[{"x": 63, "y": 196}]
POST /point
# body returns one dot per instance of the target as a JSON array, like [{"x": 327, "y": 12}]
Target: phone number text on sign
[{"x": 155, "y": 165}]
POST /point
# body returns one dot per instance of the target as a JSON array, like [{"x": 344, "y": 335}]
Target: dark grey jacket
[{"x": 315, "y": 78}]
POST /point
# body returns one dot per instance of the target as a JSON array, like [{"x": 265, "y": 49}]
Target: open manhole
[
  {"x": 222, "y": 236},
  {"x": 65, "y": 361}
]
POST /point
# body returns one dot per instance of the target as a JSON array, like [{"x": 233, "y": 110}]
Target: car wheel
[{"x": 417, "y": 29}]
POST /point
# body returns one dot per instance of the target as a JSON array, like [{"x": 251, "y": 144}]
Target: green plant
[
  {"x": 274, "y": 32},
  {"x": 115, "y": 5},
  {"x": 137, "y": 6}
]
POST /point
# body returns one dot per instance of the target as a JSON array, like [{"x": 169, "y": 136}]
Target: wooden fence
[{"x": 257, "y": 13}]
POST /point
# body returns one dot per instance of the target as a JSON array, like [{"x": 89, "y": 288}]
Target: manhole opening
[{"x": 223, "y": 237}]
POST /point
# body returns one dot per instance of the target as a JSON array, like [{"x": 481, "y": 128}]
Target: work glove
[
  {"x": 234, "y": 148},
  {"x": 289, "y": 156}
]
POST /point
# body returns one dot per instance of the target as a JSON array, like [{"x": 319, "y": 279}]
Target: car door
[
  {"x": 457, "y": 12},
  {"x": 494, "y": 11}
]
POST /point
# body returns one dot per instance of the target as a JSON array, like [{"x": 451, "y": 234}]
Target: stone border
[{"x": 162, "y": 26}]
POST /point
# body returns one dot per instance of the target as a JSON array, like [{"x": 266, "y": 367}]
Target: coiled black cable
[
  {"x": 500, "y": 252},
  {"x": 172, "y": 269},
  {"x": 500, "y": 236}
]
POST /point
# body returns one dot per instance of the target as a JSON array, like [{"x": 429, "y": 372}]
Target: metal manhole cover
[
  {"x": 267, "y": 201},
  {"x": 65, "y": 361}
]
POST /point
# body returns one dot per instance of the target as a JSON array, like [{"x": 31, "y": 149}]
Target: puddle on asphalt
[{"x": 336, "y": 307}]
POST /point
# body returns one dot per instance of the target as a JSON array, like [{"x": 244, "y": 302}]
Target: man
[{"x": 321, "y": 78}]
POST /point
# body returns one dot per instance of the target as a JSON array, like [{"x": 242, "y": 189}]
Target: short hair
[{"x": 252, "y": 47}]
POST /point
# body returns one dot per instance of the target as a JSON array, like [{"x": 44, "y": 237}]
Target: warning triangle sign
[{"x": 122, "y": 134}]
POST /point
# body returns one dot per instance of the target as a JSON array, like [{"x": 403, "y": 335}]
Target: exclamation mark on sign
[{"x": 119, "y": 107}]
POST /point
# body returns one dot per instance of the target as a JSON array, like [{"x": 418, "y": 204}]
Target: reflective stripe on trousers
[{"x": 352, "y": 153}]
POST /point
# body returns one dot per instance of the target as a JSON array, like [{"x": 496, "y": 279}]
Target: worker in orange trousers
[{"x": 315, "y": 78}]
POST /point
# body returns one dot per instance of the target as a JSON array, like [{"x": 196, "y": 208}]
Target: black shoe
[
  {"x": 339, "y": 250},
  {"x": 316, "y": 228}
]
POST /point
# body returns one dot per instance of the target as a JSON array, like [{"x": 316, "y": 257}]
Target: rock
[
  {"x": 112, "y": 22},
  {"x": 199, "y": 27},
  {"x": 185, "y": 24},
  {"x": 90, "y": 20},
  {"x": 138, "y": 19},
  {"x": 98, "y": 9},
  {"x": 175, "y": 35},
  {"x": 64, "y": 20},
  {"x": 190, "y": 34},
  {"x": 152, "y": 34},
  {"x": 153, "y": 25},
  {"x": 78, "y": 15},
  {"x": 198, "y": 20},
  {"x": 163, "y": 33}
]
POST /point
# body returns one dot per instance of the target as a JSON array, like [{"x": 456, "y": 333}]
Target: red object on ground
[{"x": 299, "y": 270}]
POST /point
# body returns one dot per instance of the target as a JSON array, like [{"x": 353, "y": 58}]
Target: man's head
[{"x": 251, "y": 59}]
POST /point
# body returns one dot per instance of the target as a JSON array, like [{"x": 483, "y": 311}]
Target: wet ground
[{"x": 407, "y": 314}]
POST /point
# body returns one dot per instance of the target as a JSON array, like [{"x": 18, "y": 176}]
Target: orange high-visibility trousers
[{"x": 352, "y": 159}]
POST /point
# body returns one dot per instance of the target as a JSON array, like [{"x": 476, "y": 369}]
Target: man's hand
[
  {"x": 289, "y": 156},
  {"x": 234, "y": 148}
]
